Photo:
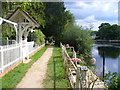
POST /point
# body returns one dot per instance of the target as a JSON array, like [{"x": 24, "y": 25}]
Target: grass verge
[
  {"x": 61, "y": 81},
  {"x": 11, "y": 79}
]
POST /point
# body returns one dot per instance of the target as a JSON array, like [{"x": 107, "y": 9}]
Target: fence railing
[
  {"x": 79, "y": 76},
  {"x": 11, "y": 54}
]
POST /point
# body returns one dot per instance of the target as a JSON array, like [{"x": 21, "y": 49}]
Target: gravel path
[{"x": 35, "y": 75}]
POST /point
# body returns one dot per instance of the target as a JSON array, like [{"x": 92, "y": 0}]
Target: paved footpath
[{"x": 36, "y": 74}]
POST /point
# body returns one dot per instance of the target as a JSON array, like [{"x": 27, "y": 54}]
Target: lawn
[
  {"x": 60, "y": 80},
  {"x": 11, "y": 79}
]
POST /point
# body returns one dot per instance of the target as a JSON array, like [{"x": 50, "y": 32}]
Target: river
[{"x": 112, "y": 58}]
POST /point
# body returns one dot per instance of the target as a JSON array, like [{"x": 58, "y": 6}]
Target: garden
[{"x": 56, "y": 27}]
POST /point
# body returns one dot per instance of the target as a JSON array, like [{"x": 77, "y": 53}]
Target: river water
[{"x": 112, "y": 58}]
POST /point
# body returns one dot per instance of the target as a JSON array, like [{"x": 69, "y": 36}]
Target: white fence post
[
  {"x": 2, "y": 62},
  {"x": 21, "y": 51}
]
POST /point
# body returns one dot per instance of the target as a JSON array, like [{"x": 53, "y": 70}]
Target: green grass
[
  {"x": 11, "y": 79},
  {"x": 61, "y": 81}
]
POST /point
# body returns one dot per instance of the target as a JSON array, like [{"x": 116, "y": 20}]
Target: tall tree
[
  {"x": 36, "y": 10},
  {"x": 103, "y": 28},
  {"x": 56, "y": 19}
]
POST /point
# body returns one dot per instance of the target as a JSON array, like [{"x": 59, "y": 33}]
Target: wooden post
[
  {"x": 82, "y": 76},
  {"x": 78, "y": 85},
  {"x": 103, "y": 64}
]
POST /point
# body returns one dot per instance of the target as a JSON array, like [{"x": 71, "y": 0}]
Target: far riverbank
[{"x": 114, "y": 42}]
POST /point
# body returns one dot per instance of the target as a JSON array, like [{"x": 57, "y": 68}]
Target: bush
[
  {"x": 8, "y": 32},
  {"x": 112, "y": 80},
  {"x": 37, "y": 36},
  {"x": 79, "y": 38},
  {"x": 70, "y": 53}
]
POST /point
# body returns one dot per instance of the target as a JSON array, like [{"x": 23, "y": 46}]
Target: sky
[{"x": 92, "y": 12}]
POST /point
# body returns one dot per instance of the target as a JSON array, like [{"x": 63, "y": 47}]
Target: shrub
[
  {"x": 79, "y": 38},
  {"x": 112, "y": 80},
  {"x": 70, "y": 53},
  {"x": 37, "y": 36}
]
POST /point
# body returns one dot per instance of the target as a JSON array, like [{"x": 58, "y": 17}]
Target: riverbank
[{"x": 113, "y": 42}]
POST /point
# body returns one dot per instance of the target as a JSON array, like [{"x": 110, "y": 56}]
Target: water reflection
[
  {"x": 112, "y": 57},
  {"x": 110, "y": 52}
]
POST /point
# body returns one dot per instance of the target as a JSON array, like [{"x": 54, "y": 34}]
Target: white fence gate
[{"x": 11, "y": 54}]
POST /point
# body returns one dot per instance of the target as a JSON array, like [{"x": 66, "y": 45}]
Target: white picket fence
[{"x": 11, "y": 54}]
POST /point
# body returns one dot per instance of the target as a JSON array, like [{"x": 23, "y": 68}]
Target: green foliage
[
  {"x": 36, "y": 10},
  {"x": 70, "y": 53},
  {"x": 8, "y": 32},
  {"x": 61, "y": 82},
  {"x": 37, "y": 36},
  {"x": 52, "y": 16},
  {"x": 108, "y": 52},
  {"x": 79, "y": 38},
  {"x": 113, "y": 80},
  {"x": 56, "y": 20},
  {"x": 93, "y": 32},
  {"x": 86, "y": 60},
  {"x": 6, "y": 6},
  {"x": 11, "y": 79},
  {"x": 109, "y": 32},
  {"x": 50, "y": 39}
]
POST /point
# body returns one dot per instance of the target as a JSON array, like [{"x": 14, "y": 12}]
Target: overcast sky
[{"x": 94, "y": 12}]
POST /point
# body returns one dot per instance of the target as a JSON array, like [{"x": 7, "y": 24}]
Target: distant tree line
[{"x": 108, "y": 32}]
